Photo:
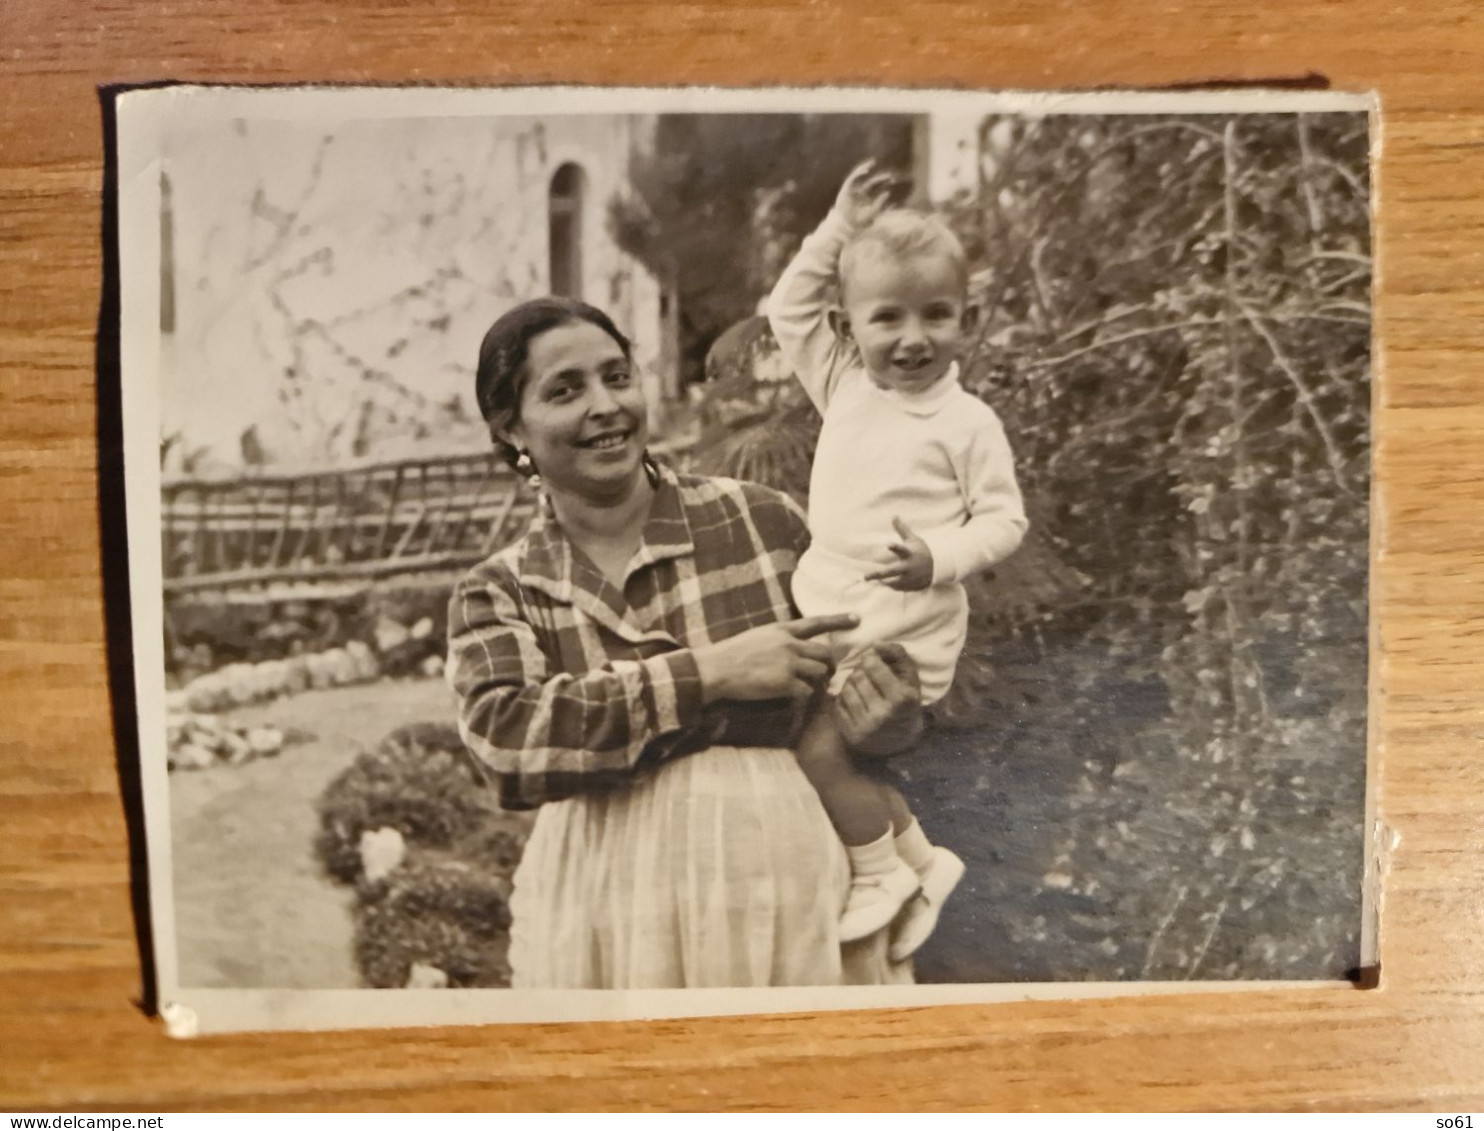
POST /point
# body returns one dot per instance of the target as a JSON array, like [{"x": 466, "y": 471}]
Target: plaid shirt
[{"x": 567, "y": 685}]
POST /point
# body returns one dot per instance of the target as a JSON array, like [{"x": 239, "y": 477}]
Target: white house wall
[
  {"x": 332, "y": 286},
  {"x": 947, "y": 156}
]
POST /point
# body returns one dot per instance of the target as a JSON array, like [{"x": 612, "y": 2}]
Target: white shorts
[{"x": 930, "y": 623}]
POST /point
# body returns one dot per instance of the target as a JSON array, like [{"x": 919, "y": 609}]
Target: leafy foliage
[
  {"x": 1176, "y": 331},
  {"x": 439, "y": 911},
  {"x": 420, "y": 780},
  {"x": 1178, "y": 336},
  {"x": 444, "y": 905},
  {"x": 719, "y": 196}
]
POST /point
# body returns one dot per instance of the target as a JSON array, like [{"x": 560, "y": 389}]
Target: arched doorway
[{"x": 564, "y": 225}]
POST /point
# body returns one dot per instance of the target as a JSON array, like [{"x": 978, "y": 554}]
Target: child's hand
[
  {"x": 866, "y": 193},
  {"x": 914, "y": 569}
]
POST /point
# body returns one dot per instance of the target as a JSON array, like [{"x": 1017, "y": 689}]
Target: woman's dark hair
[{"x": 501, "y": 376}]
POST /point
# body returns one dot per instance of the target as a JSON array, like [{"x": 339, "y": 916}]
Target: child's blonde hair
[{"x": 901, "y": 233}]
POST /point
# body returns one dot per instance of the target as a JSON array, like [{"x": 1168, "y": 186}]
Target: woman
[{"x": 634, "y": 667}]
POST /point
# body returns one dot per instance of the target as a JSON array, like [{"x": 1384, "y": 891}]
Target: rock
[
  {"x": 274, "y": 675},
  {"x": 200, "y": 729},
  {"x": 242, "y": 752},
  {"x": 321, "y": 670},
  {"x": 265, "y": 742},
  {"x": 207, "y": 693},
  {"x": 190, "y": 756},
  {"x": 296, "y": 675},
  {"x": 425, "y": 977},
  {"x": 432, "y": 666},
  {"x": 382, "y": 851},
  {"x": 238, "y": 683},
  {"x": 389, "y": 634},
  {"x": 233, "y": 747},
  {"x": 253, "y": 683},
  {"x": 367, "y": 665},
  {"x": 423, "y": 629},
  {"x": 341, "y": 667}
]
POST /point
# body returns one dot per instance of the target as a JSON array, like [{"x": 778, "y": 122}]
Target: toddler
[{"x": 912, "y": 490}]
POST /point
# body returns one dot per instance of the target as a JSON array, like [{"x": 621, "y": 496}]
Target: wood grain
[{"x": 72, "y": 1036}]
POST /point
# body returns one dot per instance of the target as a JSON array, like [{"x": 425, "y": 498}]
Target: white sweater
[{"x": 938, "y": 459}]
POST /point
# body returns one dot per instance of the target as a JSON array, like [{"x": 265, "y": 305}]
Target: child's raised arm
[{"x": 798, "y": 308}]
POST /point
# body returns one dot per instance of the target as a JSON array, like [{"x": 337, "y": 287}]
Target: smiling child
[{"x": 912, "y": 490}]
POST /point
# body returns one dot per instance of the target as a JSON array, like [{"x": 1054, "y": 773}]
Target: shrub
[
  {"x": 421, "y": 781},
  {"x": 445, "y": 903},
  {"x": 436, "y": 910}
]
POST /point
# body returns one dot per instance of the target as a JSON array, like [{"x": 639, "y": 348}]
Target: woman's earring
[
  {"x": 527, "y": 467},
  {"x": 651, "y": 468}
]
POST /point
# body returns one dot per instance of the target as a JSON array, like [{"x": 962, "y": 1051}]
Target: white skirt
[{"x": 719, "y": 869}]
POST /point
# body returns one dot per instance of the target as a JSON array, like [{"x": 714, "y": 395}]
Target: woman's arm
[{"x": 550, "y": 734}]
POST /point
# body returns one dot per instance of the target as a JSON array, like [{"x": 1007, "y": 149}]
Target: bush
[
  {"x": 205, "y": 632},
  {"x": 421, "y": 781},
  {"x": 444, "y": 904},
  {"x": 437, "y": 911}
]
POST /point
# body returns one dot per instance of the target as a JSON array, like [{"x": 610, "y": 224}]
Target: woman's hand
[
  {"x": 774, "y": 661},
  {"x": 880, "y": 707},
  {"x": 866, "y": 193}
]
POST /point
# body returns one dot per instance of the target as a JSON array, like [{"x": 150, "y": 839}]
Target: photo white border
[{"x": 144, "y": 118}]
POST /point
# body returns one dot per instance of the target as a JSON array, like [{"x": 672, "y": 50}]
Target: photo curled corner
[
  {"x": 180, "y": 1020},
  {"x": 1384, "y": 842}
]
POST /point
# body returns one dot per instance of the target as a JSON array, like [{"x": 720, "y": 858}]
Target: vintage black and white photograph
[{"x": 797, "y": 548}]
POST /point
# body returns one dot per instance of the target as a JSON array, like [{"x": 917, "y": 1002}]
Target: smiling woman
[
  {"x": 582, "y": 413},
  {"x": 566, "y": 411},
  {"x": 634, "y": 666},
  {"x": 518, "y": 346}
]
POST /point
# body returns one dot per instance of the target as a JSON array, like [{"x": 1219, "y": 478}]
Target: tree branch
[
  {"x": 1236, "y": 386},
  {"x": 1306, "y": 395},
  {"x": 1062, "y": 359}
]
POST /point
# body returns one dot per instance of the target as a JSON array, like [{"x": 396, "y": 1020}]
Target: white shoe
[
  {"x": 875, "y": 899},
  {"x": 921, "y": 915}
]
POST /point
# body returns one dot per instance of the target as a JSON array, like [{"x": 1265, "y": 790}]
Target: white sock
[
  {"x": 913, "y": 846},
  {"x": 867, "y": 859}
]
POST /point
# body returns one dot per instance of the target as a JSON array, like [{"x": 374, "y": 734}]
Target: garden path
[{"x": 253, "y": 909}]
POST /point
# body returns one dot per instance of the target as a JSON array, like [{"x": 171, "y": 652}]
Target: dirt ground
[{"x": 252, "y": 908}]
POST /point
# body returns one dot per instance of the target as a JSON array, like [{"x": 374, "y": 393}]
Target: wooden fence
[{"x": 328, "y": 528}]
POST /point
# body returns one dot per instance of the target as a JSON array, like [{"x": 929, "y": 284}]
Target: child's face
[{"x": 908, "y": 318}]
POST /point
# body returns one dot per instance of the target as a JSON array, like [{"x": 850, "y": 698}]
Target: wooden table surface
[{"x": 69, "y": 969}]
